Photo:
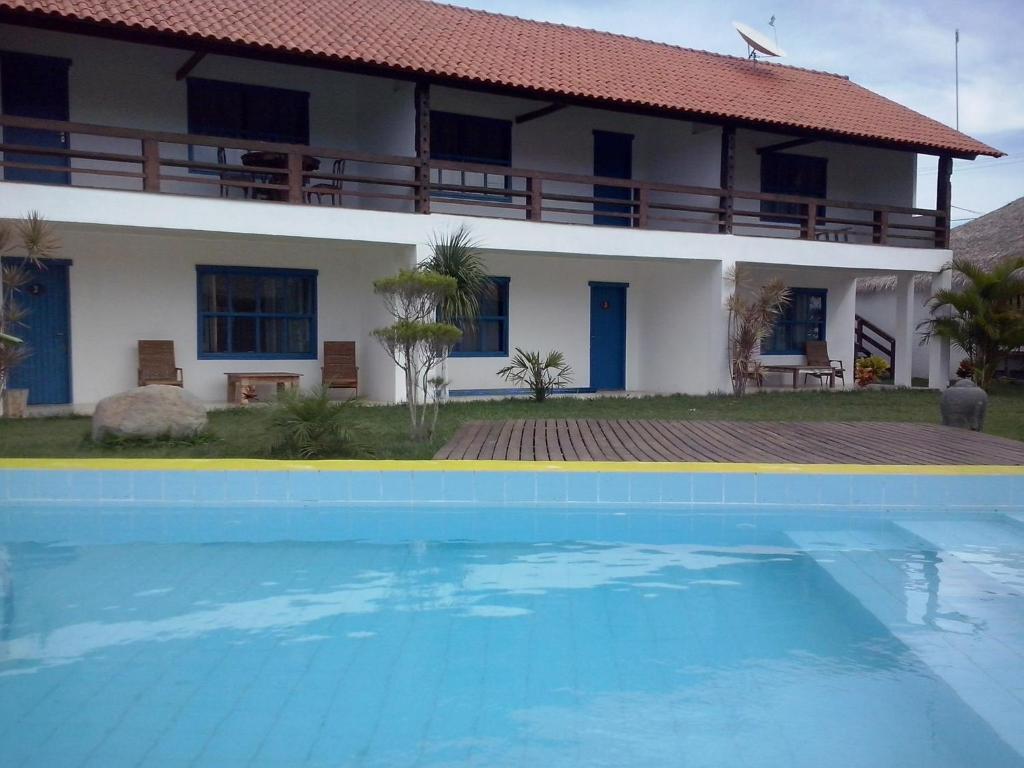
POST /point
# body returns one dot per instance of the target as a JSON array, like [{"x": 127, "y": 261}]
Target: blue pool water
[{"x": 685, "y": 640}]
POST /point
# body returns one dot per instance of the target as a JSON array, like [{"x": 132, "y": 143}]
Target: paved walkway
[{"x": 728, "y": 441}]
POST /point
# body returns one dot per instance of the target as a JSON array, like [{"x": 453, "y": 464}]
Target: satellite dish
[{"x": 756, "y": 42}]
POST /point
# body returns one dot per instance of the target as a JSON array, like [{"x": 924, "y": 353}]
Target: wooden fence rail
[{"x": 178, "y": 163}]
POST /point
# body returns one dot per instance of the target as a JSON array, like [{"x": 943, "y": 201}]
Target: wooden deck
[{"x": 728, "y": 441}]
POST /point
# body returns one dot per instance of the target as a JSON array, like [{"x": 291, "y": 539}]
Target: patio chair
[
  {"x": 817, "y": 357},
  {"x": 330, "y": 190},
  {"x": 225, "y": 189},
  {"x": 156, "y": 363},
  {"x": 340, "y": 370}
]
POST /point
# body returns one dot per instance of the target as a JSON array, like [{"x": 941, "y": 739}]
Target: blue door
[
  {"x": 35, "y": 86},
  {"x": 613, "y": 158},
  {"x": 607, "y": 336},
  {"x": 46, "y": 372}
]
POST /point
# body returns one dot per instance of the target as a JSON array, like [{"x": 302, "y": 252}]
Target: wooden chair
[
  {"x": 225, "y": 189},
  {"x": 817, "y": 357},
  {"x": 156, "y": 364},
  {"x": 330, "y": 190},
  {"x": 340, "y": 370}
]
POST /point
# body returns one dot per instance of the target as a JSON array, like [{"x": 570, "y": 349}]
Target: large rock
[{"x": 157, "y": 410}]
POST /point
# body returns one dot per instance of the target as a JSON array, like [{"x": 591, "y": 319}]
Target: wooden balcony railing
[{"x": 176, "y": 163}]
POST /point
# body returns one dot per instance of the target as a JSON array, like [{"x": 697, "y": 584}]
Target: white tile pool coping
[{"x": 220, "y": 482}]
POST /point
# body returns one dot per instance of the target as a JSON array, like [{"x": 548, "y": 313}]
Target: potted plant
[
  {"x": 24, "y": 245},
  {"x": 870, "y": 369}
]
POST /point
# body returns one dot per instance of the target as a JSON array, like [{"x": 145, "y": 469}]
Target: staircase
[{"x": 869, "y": 340}]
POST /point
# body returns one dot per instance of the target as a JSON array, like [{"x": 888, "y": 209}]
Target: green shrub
[
  {"x": 541, "y": 376},
  {"x": 870, "y": 369},
  {"x": 311, "y": 426}
]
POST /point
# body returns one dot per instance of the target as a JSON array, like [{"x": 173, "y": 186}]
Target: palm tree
[
  {"x": 752, "y": 316},
  {"x": 456, "y": 254},
  {"x": 26, "y": 244},
  {"x": 983, "y": 316}
]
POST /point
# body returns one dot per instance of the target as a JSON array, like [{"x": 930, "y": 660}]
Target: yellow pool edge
[{"x": 430, "y": 465}]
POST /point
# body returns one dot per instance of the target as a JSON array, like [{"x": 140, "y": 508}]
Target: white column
[
  {"x": 904, "y": 331},
  {"x": 842, "y": 324},
  {"x": 421, "y": 254},
  {"x": 717, "y": 328},
  {"x": 938, "y": 349}
]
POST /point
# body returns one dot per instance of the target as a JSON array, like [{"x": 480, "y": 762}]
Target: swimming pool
[{"x": 645, "y": 635}]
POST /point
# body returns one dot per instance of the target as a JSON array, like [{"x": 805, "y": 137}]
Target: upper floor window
[
  {"x": 254, "y": 313},
  {"x": 488, "y": 336},
  {"x": 470, "y": 139},
  {"x": 802, "y": 320},
  {"x": 242, "y": 111},
  {"x": 784, "y": 174}
]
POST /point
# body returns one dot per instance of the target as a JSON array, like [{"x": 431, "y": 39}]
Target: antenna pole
[{"x": 956, "y": 74}]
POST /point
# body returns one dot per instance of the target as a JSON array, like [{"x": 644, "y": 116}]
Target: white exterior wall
[
  {"x": 840, "y": 313},
  {"x": 131, "y": 85},
  {"x": 549, "y": 309},
  {"x": 879, "y": 307},
  {"x": 674, "y": 342},
  {"x": 126, "y": 286}
]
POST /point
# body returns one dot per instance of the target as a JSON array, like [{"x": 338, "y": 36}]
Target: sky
[{"x": 901, "y": 49}]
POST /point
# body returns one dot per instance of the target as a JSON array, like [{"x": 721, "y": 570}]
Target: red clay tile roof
[{"x": 441, "y": 41}]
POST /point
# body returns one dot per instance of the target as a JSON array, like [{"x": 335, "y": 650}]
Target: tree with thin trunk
[
  {"x": 983, "y": 317},
  {"x": 416, "y": 342}
]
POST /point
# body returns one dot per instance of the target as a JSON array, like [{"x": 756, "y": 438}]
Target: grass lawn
[{"x": 384, "y": 430}]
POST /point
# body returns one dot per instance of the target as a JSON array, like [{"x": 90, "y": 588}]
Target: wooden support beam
[
  {"x": 784, "y": 145},
  {"x": 421, "y": 95},
  {"x": 727, "y": 179},
  {"x": 185, "y": 69},
  {"x": 150, "y": 165},
  {"x": 535, "y": 198},
  {"x": 542, "y": 112},
  {"x": 295, "y": 177},
  {"x": 943, "y": 200}
]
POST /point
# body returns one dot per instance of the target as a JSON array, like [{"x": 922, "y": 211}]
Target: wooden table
[
  {"x": 269, "y": 159},
  {"x": 242, "y": 386},
  {"x": 798, "y": 369}
]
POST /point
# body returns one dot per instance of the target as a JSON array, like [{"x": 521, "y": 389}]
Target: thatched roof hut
[{"x": 985, "y": 240}]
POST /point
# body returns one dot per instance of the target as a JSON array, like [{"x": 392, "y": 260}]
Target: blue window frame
[
  {"x": 251, "y": 313},
  {"x": 488, "y": 336},
  {"x": 471, "y": 139},
  {"x": 803, "y": 320}
]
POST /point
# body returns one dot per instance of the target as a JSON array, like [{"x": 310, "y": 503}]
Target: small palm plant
[
  {"x": 752, "y": 316},
  {"x": 983, "y": 317},
  {"x": 540, "y": 375},
  {"x": 311, "y": 426}
]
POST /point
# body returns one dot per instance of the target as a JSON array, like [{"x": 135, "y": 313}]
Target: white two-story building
[{"x": 233, "y": 175}]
